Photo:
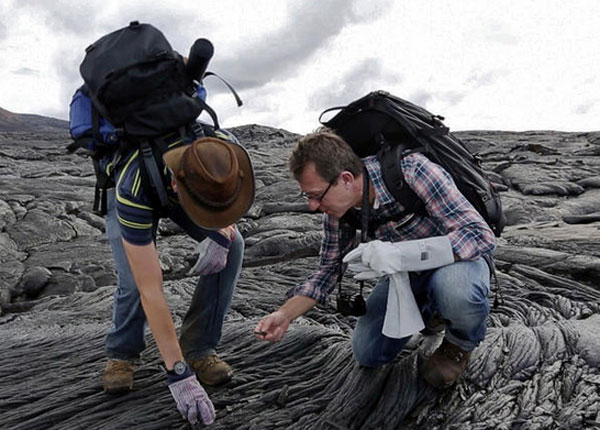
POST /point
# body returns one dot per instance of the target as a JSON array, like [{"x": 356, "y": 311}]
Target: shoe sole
[
  {"x": 215, "y": 383},
  {"x": 431, "y": 331},
  {"x": 117, "y": 389},
  {"x": 436, "y": 382}
]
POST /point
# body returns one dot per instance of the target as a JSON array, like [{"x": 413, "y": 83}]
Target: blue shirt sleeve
[{"x": 136, "y": 216}]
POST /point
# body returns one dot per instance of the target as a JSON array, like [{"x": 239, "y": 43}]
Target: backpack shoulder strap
[
  {"x": 152, "y": 177},
  {"x": 393, "y": 178},
  {"x": 103, "y": 183},
  {"x": 96, "y": 124},
  {"x": 390, "y": 158}
]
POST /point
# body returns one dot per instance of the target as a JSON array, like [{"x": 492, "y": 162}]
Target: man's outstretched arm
[
  {"x": 192, "y": 401},
  {"x": 145, "y": 266}
]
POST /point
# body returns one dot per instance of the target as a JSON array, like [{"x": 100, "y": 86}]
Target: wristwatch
[{"x": 179, "y": 368}]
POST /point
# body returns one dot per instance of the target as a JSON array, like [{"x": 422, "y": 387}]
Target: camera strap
[
  {"x": 365, "y": 212},
  {"x": 364, "y": 220},
  {"x": 364, "y": 230}
]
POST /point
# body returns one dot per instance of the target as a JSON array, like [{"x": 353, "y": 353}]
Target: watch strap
[{"x": 172, "y": 376}]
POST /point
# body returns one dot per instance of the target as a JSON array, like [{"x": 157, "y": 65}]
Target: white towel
[{"x": 402, "y": 315}]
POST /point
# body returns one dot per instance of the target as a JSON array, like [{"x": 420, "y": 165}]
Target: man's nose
[{"x": 313, "y": 204}]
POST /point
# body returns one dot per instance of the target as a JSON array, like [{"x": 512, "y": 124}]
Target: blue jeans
[
  {"x": 457, "y": 292},
  {"x": 201, "y": 327}
]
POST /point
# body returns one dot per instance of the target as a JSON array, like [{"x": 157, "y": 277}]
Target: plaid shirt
[{"x": 449, "y": 213}]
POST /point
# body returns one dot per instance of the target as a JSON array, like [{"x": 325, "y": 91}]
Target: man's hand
[
  {"x": 212, "y": 257},
  {"x": 272, "y": 327},
  {"x": 192, "y": 401}
]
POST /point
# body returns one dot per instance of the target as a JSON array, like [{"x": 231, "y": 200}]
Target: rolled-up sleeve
[{"x": 321, "y": 283}]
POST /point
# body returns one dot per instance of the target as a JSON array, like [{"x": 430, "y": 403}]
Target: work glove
[
  {"x": 212, "y": 252},
  {"x": 212, "y": 258},
  {"x": 376, "y": 258},
  {"x": 192, "y": 401}
]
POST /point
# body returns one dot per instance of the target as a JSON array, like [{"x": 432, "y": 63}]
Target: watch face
[{"x": 179, "y": 367}]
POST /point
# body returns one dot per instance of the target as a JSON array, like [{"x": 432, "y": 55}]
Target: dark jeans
[
  {"x": 201, "y": 328},
  {"x": 457, "y": 292}
]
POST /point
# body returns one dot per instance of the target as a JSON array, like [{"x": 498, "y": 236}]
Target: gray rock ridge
[
  {"x": 10, "y": 121},
  {"x": 537, "y": 368}
]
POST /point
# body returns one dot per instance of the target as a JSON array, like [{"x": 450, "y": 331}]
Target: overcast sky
[{"x": 482, "y": 64}]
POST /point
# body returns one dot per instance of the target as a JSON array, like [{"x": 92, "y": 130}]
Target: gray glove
[
  {"x": 212, "y": 258},
  {"x": 192, "y": 400}
]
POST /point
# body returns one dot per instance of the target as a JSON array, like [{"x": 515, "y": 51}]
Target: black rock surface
[{"x": 537, "y": 369}]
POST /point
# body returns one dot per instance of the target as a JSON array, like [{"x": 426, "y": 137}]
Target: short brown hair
[{"x": 330, "y": 153}]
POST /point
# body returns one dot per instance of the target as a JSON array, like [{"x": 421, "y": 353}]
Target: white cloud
[{"x": 510, "y": 65}]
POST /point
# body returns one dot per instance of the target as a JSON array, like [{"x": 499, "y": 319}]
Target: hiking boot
[
  {"x": 445, "y": 365},
  {"x": 211, "y": 370},
  {"x": 118, "y": 376}
]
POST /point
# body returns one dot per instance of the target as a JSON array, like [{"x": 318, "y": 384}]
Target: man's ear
[{"x": 347, "y": 178}]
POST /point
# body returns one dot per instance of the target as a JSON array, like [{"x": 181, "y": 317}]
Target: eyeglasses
[{"x": 321, "y": 197}]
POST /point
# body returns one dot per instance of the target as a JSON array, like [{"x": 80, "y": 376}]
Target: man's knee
[
  {"x": 460, "y": 292},
  {"x": 463, "y": 281}
]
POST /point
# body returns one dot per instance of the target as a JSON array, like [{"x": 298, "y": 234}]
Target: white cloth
[{"x": 402, "y": 315}]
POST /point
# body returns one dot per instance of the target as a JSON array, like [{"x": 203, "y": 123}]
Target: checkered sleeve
[
  {"x": 469, "y": 234},
  {"x": 320, "y": 284}
]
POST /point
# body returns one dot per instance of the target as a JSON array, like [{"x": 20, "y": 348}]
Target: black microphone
[{"x": 200, "y": 54}]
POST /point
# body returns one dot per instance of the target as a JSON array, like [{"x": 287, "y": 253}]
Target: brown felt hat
[{"x": 215, "y": 181}]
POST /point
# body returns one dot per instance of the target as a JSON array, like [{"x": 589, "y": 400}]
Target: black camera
[{"x": 351, "y": 304}]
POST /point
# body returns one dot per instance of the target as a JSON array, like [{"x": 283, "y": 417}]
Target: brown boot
[
  {"x": 211, "y": 370},
  {"x": 118, "y": 376},
  {"x": 445, "y": 365}
]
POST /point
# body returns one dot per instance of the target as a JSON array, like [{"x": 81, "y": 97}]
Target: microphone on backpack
[{"x": 200, "y": 54}]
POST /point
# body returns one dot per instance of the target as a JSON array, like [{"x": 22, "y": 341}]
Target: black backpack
[
  {"x": 380, "y": 123},
  {"x": 139, "y": 83},
  {"x": 145, "y": 91}
]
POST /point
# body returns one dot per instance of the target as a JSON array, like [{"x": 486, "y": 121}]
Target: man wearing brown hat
[{"x": 210, "y": 186}]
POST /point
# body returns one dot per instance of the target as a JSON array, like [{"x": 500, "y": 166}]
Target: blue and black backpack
[{"x": 137, "y": 90}]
